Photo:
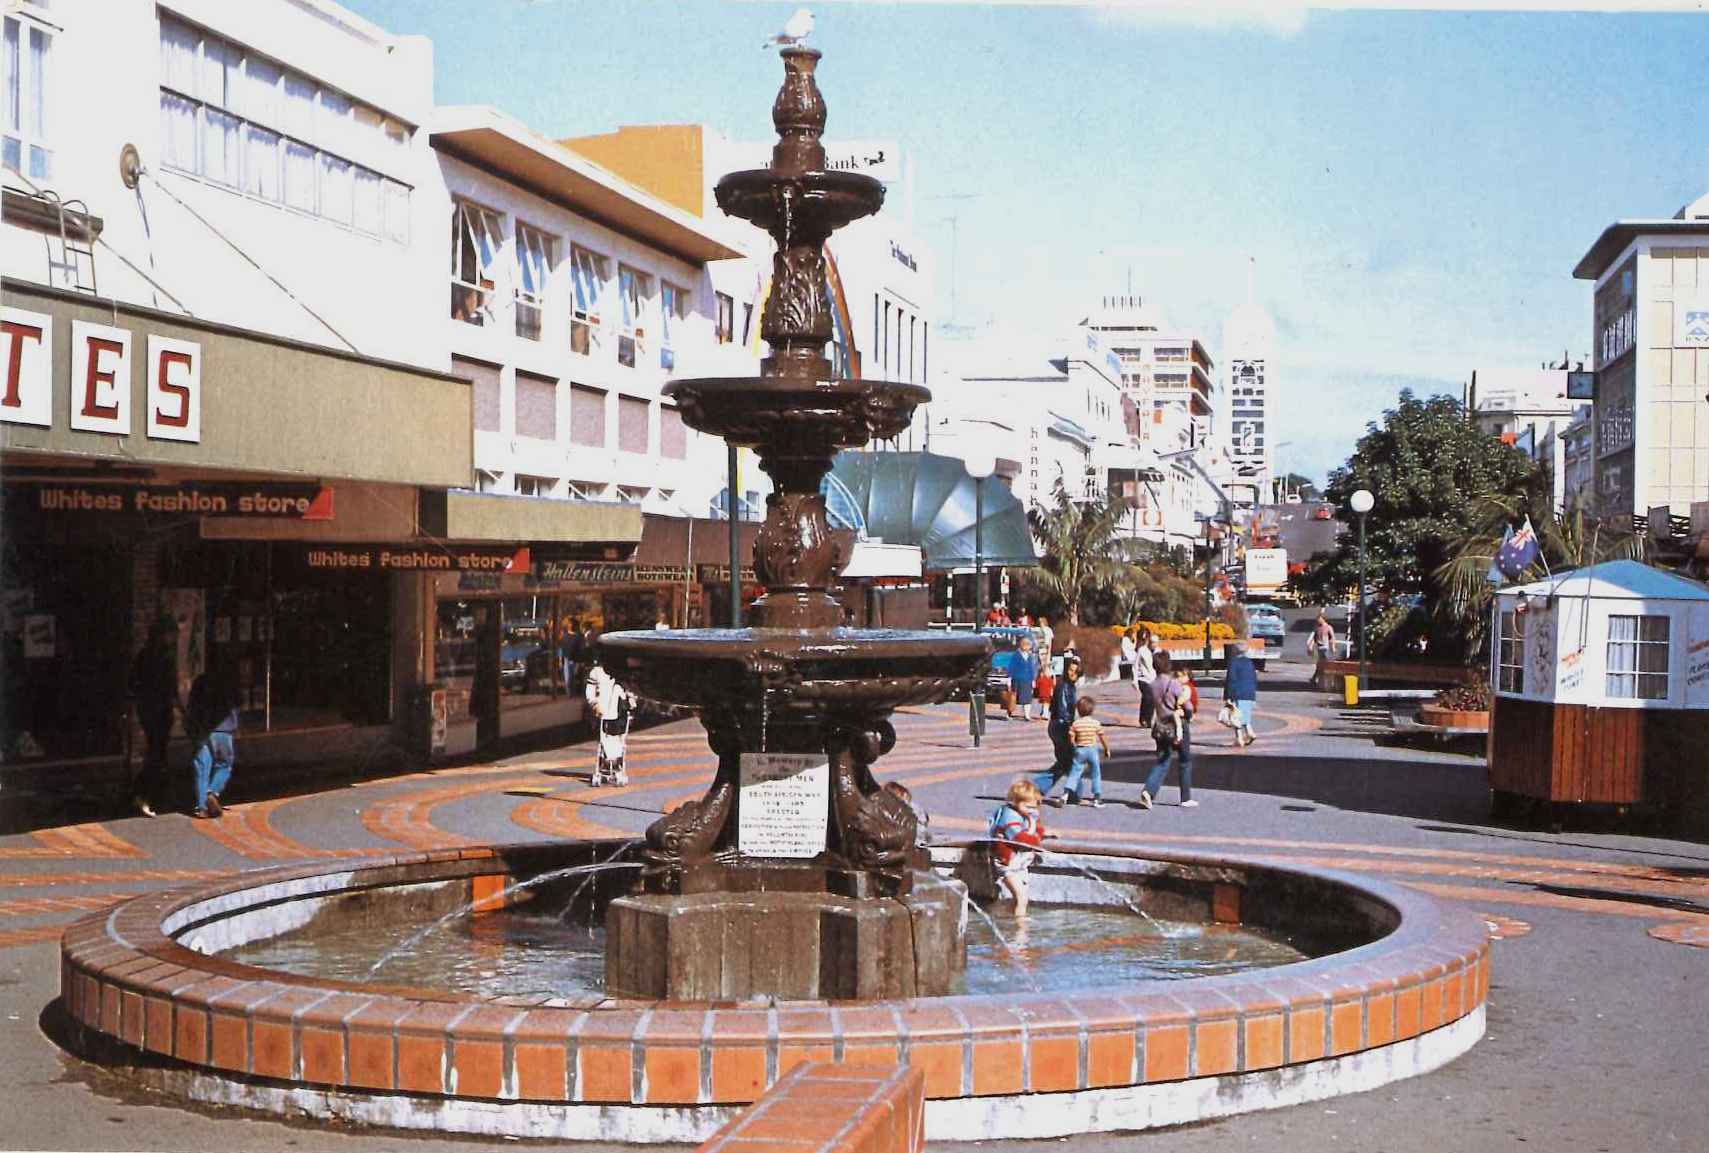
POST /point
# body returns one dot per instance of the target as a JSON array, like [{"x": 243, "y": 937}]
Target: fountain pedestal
[{"x": 812, "y": 945}]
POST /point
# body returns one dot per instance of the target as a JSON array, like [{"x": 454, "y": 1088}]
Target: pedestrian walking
[
  {"x": 1144, "y": 672},
  {"x": 1023, "y": 678},
  {"x": 1321, "y": 643},
  {"x": 1062, "y": 713},
  {"x": 1046, "y": 639},
  {"x": 1240, "y": 691},
  {"x": 1171, "y": 730},
  {"x": 211, "y": 719},
  {"x": 154, "y": 695},
  {"x": 1091, "y": 746}
]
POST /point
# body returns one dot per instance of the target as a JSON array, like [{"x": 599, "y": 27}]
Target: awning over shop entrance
[{"x": 926, "y": 500}]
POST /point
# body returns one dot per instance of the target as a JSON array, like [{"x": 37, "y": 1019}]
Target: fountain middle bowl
[{"x": 832, "y": 669}]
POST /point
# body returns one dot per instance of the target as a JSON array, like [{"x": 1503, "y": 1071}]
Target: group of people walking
[{"x": 210, "y": 717}]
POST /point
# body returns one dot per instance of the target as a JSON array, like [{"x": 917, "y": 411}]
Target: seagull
[{"x": 794, "y": 33}]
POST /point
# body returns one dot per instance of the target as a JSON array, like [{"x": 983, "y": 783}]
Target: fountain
[
  {"x": 792, "y": 876},
  {"x": 786, "y": 915}
]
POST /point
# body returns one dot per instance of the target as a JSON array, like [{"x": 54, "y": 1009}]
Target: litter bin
[{"x": 1350, "y": 689}]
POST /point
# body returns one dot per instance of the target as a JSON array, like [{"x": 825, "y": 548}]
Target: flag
[
  {"x": 1518, "y": 551},
  {"x": 1494, "y": 575}
]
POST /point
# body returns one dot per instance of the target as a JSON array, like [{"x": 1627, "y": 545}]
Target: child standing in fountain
[{"x": 1016, "y": 832}]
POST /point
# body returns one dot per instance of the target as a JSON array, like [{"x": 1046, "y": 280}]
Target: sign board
[
  {"x": 1697, "y": 657},
  {"x": 1691, "y": 321},
  {"x": 1266, "y": 568},
  {"x": 879, "y": 159},
  {"x": 185, "y": 498},
  {"x": 784, "y": 804},
  {"x": 1581, "y": 385},
  {"x": 457, "y": 558},
  {"x": 99, "y": 386}
]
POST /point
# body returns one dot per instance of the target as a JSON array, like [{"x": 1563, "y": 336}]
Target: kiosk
[{"x": 1600, "y": 681}]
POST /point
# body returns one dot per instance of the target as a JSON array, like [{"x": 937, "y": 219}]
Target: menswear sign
[{"x": 99, "y": 386}]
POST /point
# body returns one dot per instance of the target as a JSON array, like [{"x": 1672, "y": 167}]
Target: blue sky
[{"x": 1415, "y": 186}]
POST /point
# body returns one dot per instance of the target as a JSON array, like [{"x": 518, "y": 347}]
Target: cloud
[{"x": 1273, "y": 16}]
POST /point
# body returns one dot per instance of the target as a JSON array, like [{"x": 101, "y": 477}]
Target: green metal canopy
[{"x": 922, "y": 499}]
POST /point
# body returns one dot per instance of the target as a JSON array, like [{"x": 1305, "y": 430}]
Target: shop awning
[
  {"x": 458, "y": 514},
  {"x": 918, "y": 498}
]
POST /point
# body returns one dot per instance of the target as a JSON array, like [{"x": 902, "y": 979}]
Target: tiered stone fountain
[{"x": 793, "y": 875}]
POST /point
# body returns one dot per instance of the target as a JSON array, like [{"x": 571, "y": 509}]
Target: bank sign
[{"x": 99, "y": 387}]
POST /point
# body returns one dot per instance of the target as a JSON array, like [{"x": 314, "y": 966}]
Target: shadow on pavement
[{"x": 1437, "y": 792}]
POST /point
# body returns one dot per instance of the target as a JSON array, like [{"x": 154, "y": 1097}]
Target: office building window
[
  {"x": 533, "y": 266},
  {"x": 484, "y": 378},
  {"x": 535, "y": 485},
  {"x": 591, "y": 273},
  {"x": 250, "y": 124},
  {"x": 635, "y": 296},
  {"x": 673, "y": 434},
  {"x": 1637, "y": 657},
  {"x": 673, "y": 318},
  {"x": 587, "y": 416},
  {"x": 726, "y": 330},
  {"x": 632, "y": 415},
  {"x": 475, "y": 243},
  {"x": 26, "y": 60},
  {"x": 536, "y": 406}
]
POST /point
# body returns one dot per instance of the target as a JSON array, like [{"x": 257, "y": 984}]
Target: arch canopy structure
[{"x": 923, "y": 499}]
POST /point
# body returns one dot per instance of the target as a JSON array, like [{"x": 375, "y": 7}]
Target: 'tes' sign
[{"x": 99, "y": 386}]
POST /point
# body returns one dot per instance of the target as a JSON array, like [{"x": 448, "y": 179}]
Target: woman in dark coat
[
  {"x": 1240, "y": 689},
  {"x": 1023, "y": 675}
]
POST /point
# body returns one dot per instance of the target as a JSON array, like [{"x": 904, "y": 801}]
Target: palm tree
[{"x": 1080, "y": 543}]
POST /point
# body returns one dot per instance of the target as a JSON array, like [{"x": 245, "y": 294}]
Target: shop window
[
  {"x": 632, "y": 414},
  {"x": 536, "y": 406},
  {"x": 635, "y": 293},
  {"x": 673, "y": 434},
  {"x": 726, "y": 329},
  {"x": 475, "y": 247},
  {"x": 587, "y": 416},
  {"x": 673, "y": 322},
  {"x": 592, "y": 275},
  {"x": 1510, "y": 655},
  {"x": 533, "y": 266},
  {"x": 1637, "y": 658}
]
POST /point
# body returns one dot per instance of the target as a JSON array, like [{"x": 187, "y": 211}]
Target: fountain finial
[{"x": 798, "y": 114}]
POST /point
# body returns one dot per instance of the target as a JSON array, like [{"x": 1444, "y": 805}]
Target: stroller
[{"x": 609, "y": 766}]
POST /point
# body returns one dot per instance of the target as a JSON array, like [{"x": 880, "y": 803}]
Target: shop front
[{"x": 152, "y": 466}]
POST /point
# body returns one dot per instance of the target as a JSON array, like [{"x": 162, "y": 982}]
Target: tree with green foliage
[
  {"x": 1081, "y": 544},
  {"x": 1428, "y": 468}
]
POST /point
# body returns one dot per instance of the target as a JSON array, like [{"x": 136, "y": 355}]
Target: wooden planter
[{"x": 1453, "y": 718}]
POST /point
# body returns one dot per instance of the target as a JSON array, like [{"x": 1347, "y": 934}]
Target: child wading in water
[{"x": 1016, "y": 832}]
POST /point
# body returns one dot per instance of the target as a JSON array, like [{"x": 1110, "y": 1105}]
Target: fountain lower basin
[{"x": 1397, "y": 988}]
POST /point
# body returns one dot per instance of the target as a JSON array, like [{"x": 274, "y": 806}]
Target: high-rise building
[{"x": 1248, "y": 340}]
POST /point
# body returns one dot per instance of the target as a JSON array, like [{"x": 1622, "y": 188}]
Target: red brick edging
[
  {"x": 825, "y": 1108},
  {"x": 123, "y": 976}
]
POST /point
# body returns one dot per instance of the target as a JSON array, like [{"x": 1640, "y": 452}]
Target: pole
[
  {"x": 1210, "y": 568},
  {"x": 1361, "y": 602},
  {"x": 688, "y": 572},
  {"x": 735, "y": 542},
  {"x": 976, "y": 699}
]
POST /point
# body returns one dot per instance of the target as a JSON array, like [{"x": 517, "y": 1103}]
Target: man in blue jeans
[
  {"x": 1171, "y": 728},
  {"x": 210, "y": 720},
  {"x": 1062, "y": 714}
]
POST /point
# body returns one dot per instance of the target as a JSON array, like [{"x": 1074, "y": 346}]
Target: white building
[
  {"x": 569, "y": 320},
  {"x": 1530, "y": 409}
]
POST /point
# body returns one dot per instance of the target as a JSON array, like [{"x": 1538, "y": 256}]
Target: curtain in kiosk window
[{"x": 1637, "y": 666}]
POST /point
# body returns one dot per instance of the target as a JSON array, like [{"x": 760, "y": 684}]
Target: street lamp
[
  {"x": 980, "y": 463},
  {"x": 1361, "y": 502}
]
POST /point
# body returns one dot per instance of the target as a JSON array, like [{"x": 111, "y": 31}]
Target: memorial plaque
[{"x": 784, "y": 805}]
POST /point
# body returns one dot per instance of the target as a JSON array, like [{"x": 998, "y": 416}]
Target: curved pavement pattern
[{"x": 1584, "y": 912}]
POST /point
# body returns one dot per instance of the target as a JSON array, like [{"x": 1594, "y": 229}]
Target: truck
[{"x": 1267, "y": 574}]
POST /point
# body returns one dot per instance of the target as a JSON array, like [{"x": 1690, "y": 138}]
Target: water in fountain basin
[
  {"x": 569, "y": 909},
  {"x": 968, "y": 904},
  {"x": 1114, "y": 891},
  {"x": 514, "y": 887}
]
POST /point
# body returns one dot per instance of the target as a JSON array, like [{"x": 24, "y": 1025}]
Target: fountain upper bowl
[{"x": 819, "y": 203}]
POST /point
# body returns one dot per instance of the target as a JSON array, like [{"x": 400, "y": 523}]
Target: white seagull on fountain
[{"x": 794, "y": 33}]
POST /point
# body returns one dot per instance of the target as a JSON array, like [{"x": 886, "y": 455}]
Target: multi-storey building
[
  {"x": 1161, "y": 365},
  {"x": 220, "y": 406},
  {"x": 1248, "y": 341},
  {"x": 1650, "y": 330}
]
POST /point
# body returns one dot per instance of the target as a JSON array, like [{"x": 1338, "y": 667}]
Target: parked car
[
  {"x": 1264, "y": 622},
  {"x": 1005, "y": 639},
  {"x": 1322, "y": 512}
]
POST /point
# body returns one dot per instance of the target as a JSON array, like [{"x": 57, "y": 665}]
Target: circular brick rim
[{"x": 124, "y": 977}]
